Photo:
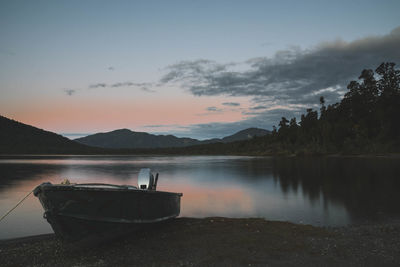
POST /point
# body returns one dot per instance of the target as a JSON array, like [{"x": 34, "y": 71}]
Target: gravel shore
[{"x": 218, "y": 242}]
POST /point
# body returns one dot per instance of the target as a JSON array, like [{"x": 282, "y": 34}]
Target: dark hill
[
  {"x": 19, "y": 138},
  {"x": 125, "y": 138},
  {"x": 128, "y": 139}
]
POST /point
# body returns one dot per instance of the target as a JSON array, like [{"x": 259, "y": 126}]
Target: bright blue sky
[{"x": 50, "y": 47}]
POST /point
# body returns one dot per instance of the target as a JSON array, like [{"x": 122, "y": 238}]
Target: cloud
[
  {"x": 232, "y": 104},
  {"x": 192, "y": 71},
  {"x": 143, "y": 86},
  {"x": 165, "y": 129},
  {"x": 69, "y": 92},
  {"x": 293, "y": 76},
  {"x": 258, "y": 107},
  {"x": 97, "y": 85},
  {"x": 122, "y": 84},
  {"x": 213, "y": 109},
  {"x": 154, "y": 126}
]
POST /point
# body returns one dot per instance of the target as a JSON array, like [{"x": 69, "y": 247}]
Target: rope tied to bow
[{"x": 22, "y": 200}]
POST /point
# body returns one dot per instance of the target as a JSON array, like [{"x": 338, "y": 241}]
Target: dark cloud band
[
  {"x": 231, "y": 104},
  {"x": 292, "y": 76}
]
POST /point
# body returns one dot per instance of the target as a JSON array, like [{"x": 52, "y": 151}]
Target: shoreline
[
  {"x": 328, "y": 155},
  {"x": 217, "y": 241}
]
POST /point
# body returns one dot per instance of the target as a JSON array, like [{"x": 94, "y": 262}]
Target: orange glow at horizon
[{"x": 83, "y": 115}]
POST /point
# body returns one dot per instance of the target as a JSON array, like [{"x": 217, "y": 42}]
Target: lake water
[{"x": 328, "y": 191}]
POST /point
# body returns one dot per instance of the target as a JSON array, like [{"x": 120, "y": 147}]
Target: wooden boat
[{"x": 77, "y": 210}]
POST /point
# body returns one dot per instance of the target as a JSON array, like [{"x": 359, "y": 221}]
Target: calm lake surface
[{"x": 328, "y": 191}]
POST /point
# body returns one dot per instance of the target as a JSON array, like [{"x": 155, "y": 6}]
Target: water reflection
[
  {"x": 366, "y": 187},
  {"x": 319, "y": 191}
]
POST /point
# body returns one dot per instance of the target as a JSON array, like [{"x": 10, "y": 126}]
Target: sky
[{"x": 199, "y": 69}]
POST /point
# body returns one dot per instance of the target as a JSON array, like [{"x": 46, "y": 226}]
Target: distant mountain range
[
  {"x": 125, "y": 138},
  {"x": 19, "y": 138}
]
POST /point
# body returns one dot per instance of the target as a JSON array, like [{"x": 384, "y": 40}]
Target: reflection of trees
[{"x": 367, "y": 187}]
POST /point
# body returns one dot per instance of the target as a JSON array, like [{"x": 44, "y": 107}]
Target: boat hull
[{"x": 75, "y": 212}]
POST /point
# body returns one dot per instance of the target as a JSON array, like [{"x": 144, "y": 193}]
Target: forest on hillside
[{"x": 366, "y": 120}]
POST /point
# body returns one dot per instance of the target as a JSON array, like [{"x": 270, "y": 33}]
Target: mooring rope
[{"x": 8, "y": 212}]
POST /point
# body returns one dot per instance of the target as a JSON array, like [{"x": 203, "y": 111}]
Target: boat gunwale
[{"x": 118, "y": 188}]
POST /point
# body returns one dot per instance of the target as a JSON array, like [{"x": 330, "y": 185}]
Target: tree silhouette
[{"x": 366, "y": 119}]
